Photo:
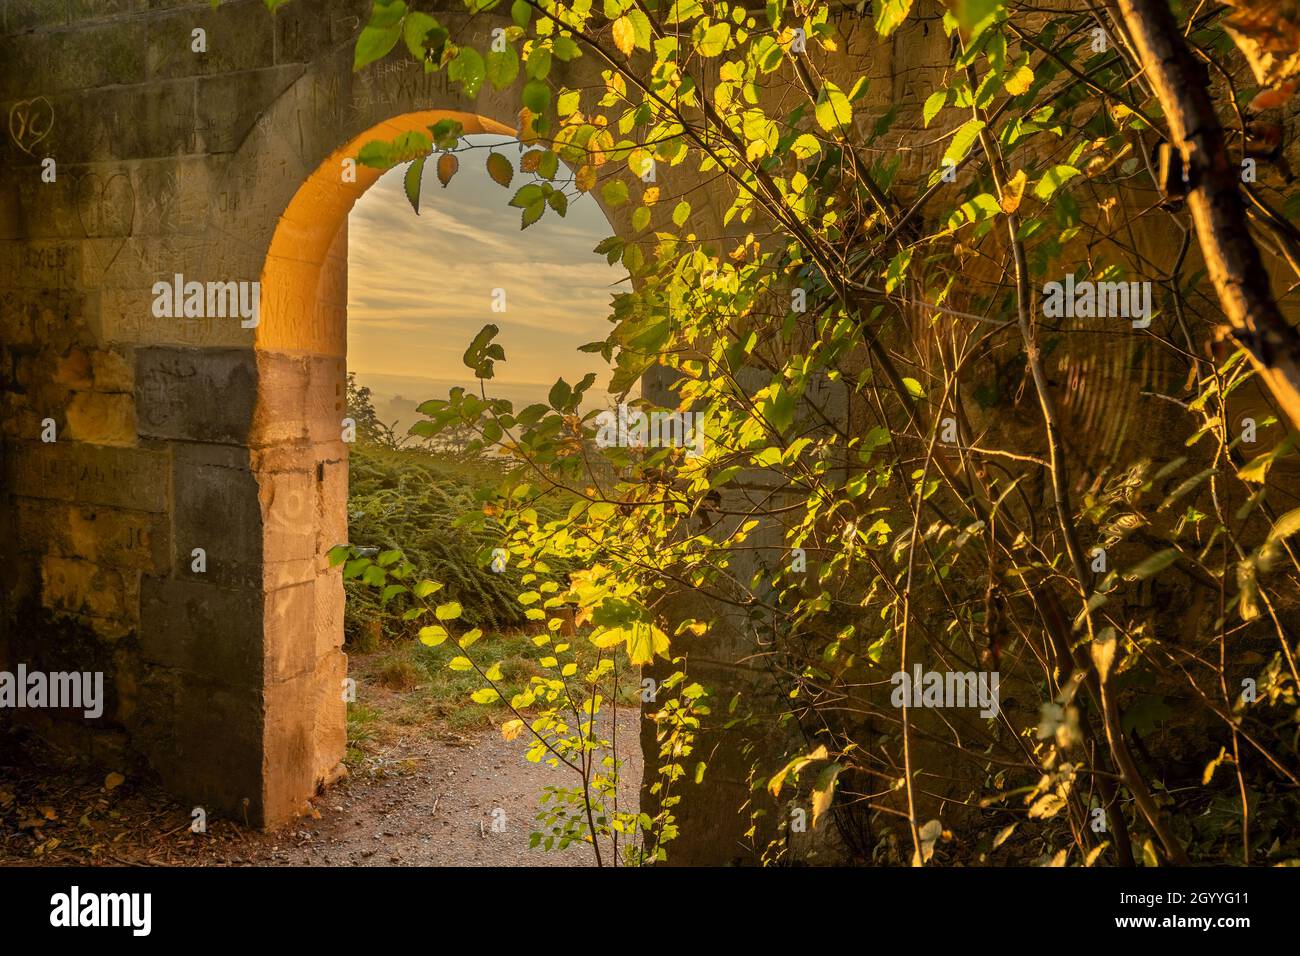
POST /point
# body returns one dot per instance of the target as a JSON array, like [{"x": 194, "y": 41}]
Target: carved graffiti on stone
[{"x": 30, "y": 121}]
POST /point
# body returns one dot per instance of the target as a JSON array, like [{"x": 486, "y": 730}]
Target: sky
[{"x": 420, "y": 287}]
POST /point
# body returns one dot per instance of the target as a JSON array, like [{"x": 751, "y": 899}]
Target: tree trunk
[{"x": 1215, "y": 201}]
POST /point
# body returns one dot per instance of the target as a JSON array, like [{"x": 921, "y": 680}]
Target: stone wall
[{"x": 180, "y": 433}]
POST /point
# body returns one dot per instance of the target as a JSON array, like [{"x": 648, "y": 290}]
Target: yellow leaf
[
  {"x": 585, "y": 179},
  {"x": 112, "y": 782},
  {"x": 624, "y": 35},
  {"x": 527, "y": 134},
  {"x": 512, "y": 729},
  {"x": 824, "y": 791},
  {"x": 1013, "y": 191},
  {"x": 794, "y": 766},
  {"x": 1149, "y": 857},
  {"x": 1019, "y": 81}
]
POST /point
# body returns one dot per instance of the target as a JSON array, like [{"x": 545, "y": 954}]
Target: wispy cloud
[{"x": 420, "y": 287}]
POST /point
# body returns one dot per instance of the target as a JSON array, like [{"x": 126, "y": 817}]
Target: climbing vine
[{"x": 970, "y": 406}]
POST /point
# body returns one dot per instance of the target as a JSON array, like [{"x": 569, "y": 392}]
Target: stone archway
[
  {"x": 193, "y": 432},
  {"x": 299, "y": 463}
]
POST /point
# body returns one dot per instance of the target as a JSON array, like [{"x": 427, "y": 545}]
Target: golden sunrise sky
[{"x": 420, "y": 287}]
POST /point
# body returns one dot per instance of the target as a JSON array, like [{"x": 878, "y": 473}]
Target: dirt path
[
  {"x": 432, "y": 804},
  {"x": 420, "y": 796}
]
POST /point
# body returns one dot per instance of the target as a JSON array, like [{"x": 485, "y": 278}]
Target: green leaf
[
  {"x": 640, "y": 28},
  {"x": 468, "y": 69},
  {"x": 527, "y": 196},
  {"x": 614, "y": 192},
  {"x": 446, "y": 132},
  {"x": 1053, "y": 179},
  {"x": 712, "y": 41},
  {"x": 532, "y": 213},
  {"x": 539, "y": 63},
  {"x": 380, "y": 35},
  {"x": 962, "y": 140},
  {"x": 537, "y": 96},
  {"x": 423, "y": 589},
  {"x": 414, "y": 29},
  {"x": 897, "y": 270},
  {"x": 502, "y": 67},
  {"x": 933, "y": 104},
  {"x": 411, "y": 183},
  {"x": 568, "y": 102},
  {"x": 805, "y": 146},
  {"x": 833, "y": 108}
]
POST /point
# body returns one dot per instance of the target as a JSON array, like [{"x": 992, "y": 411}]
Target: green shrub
[{"x": 411, "y": 500}]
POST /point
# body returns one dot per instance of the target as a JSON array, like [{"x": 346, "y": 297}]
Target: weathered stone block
[
  {"x": 73, "y": 370},
  {"x": 204, "y": 395},
  {"x": 217, "y": 509},
  {"x": 330, "y": 600},
  {"x": 203, "y": 630},
  {"x": 217, "y": 760},
  {"x": 281, "y": 398},
  {"x": 235, "y": 41},
  {"x": 74, "y": 586},
  {"x": 288, "y": 514},
  {"x": 331, "y": 506},
  {"x": 229, "y": 105},
  {"x": 101, "y": 418},
  {"x": 32, "y": 14},
  {"x": 305, "y": 735},
  {"x": 290, "y": 648},
  {"x": 111, "y": 537},
  {"x": 326, "y": 400},
  {"x": 84, "y": 10},
  {"x": 112, "y": 371},
  {"x": 90, "y": 474}
]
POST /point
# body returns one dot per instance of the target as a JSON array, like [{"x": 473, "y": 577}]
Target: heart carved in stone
[
  {"x": 106, "y": 210},
  {"x": 30, "y": 121}
]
